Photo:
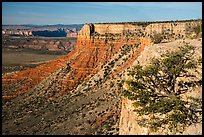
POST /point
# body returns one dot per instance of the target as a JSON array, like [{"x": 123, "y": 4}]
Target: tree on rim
[{"x": 160, "y": 90}]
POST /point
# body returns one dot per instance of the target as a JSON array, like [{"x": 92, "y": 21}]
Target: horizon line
[{"x": 103, "y": 22}]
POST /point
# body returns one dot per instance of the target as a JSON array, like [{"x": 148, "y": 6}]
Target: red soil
[{"x": 87, "y": 59}]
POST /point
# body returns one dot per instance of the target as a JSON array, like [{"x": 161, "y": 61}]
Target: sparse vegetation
[
  {"x": 81, "y": 93},
  {"x": 111, "y": 84},
  {"x": 157, "y": 38},
  {"x": 144, "y": 24},
  {"x": 157, "y": 91},
  {"x": 197, "y": 29}
]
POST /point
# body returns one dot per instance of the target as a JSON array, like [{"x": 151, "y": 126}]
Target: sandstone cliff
[
  {"x": 128, "y": 119},
  {"x": 89, "y": 78}
]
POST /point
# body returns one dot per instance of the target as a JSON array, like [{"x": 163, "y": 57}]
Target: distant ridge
[{"x": 53, "y": 25}]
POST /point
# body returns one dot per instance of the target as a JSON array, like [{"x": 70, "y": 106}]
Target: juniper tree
[{"x": 157, "y": 91}]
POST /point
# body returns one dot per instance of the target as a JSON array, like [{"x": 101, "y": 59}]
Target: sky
[{"x": 42, "y": 13}]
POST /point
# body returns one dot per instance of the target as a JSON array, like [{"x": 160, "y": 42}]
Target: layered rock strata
[{"x": 89, "y": 78}]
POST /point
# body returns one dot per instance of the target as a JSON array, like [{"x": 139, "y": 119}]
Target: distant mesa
[{"x": 44, "y": 30}]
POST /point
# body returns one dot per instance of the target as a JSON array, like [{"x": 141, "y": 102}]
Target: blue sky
[{"x": 41, "y": 13}]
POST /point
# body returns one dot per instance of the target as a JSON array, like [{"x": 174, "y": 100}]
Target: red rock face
[
  {"x": 88, "y": 58},
  {"x": 25, "y": 80}
]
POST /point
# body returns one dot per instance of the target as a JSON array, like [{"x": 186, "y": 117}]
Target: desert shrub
[
  {"x": 120, "y": 83},
  {"x": 111, "y": 84},
  {"x": 125, "y": 59},
  {"x": 157, "y": 90},
  {"x": 157, "y": 38},
  {"x": 105, "y": 74},
  {"x": 89, "y": 122},
  {"x": 197, "y": 29}
]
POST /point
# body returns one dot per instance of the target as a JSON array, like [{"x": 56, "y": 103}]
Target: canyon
[
  {"x": 80, "y": 93},
  {"x": 42, "y": 43},
  {"x": 58, "y": 30}
]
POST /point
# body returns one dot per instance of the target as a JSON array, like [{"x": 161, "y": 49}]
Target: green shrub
[
  {"x": 111, "y": 84},
  {"x": 157, "y": 38}
]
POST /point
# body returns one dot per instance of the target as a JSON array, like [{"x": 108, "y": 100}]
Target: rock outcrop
[
  {"x": 128, "y": 119},
  {"x": 17, "y": 33},
  {"x": 41, "y": 44},
  {"x": 89, "y": 78}
]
